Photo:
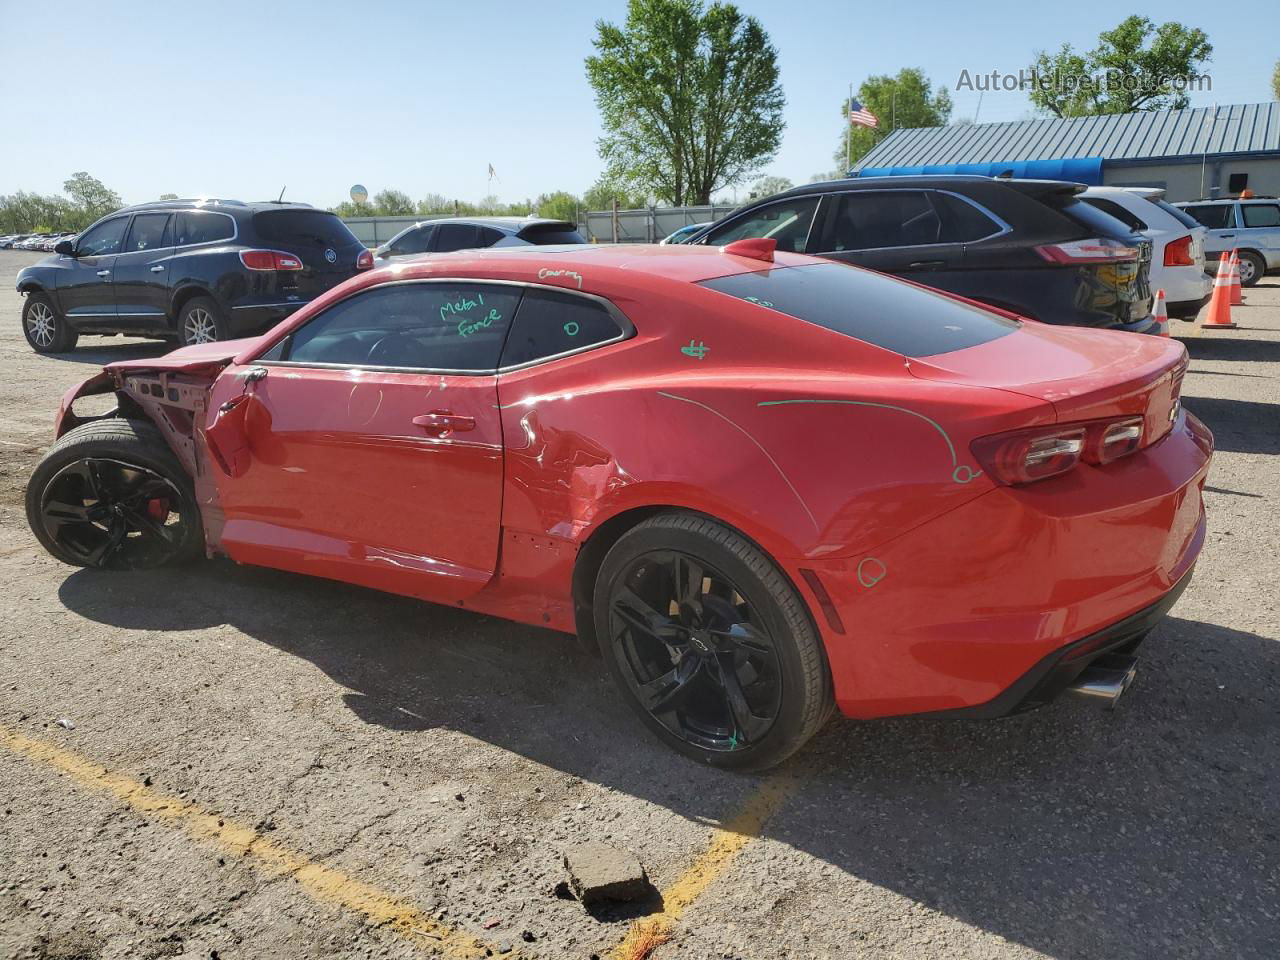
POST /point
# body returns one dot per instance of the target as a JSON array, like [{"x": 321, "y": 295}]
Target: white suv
[
  {"x": 1177, "y": 243},
  {"x": 1250, "y": 225}
]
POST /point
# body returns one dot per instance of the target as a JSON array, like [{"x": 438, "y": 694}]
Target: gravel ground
[{"x": 380, "y": 751}]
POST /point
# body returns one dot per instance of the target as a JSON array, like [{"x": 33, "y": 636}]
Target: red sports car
[{"x": 766, "y": 488}]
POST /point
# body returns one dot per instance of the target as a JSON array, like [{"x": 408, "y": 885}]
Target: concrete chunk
[{"x": 598, "y": 872}]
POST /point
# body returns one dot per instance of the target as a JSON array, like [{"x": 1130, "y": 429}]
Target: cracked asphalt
[{"x": 266, "y": 765}]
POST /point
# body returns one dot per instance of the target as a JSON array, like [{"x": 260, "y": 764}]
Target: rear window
[
  {"x": 1094, "y": 220},
  {"x": 551, "y": 233},
  {"x": 1113, "y": 209},
  {"x": 1181, "y": 216},
  {"x": 303, "y": 226},
  {"x": 868, "y": 306}
]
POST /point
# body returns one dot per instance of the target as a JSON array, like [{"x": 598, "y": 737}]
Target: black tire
[
  {"x": 198, "y": 317},
  {"x": 1252, "y": 266},
  {"x": 111, "y": 494},
  {"x": 46, "y": 330},
  {"x": 737, "y": 586}
]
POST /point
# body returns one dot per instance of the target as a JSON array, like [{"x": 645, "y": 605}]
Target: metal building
[{"x": 1192, "y": 153}]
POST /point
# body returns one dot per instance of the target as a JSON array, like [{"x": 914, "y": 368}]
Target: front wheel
[
  {"x": 111, "y": 494},
  {"x": 710, "y": 644},
  {"x": 45, "y": 330},
  {"x": 1252, "y": 267}
]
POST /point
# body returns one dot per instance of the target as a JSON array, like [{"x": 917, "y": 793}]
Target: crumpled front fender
[{"x": 66, "y": 420}]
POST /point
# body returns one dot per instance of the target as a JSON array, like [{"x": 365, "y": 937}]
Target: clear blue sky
[{"x": 237, "y": 99}]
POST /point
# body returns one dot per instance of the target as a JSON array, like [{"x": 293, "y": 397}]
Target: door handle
[
  {"x": 1226, "y": 236},
  {"x": 441, "y": 423},
  {"x": 104, "y": 273},
  {"x": 928, "y": 264},
  {"x": 158, "y": 268}
]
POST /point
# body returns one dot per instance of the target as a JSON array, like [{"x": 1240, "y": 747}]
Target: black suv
[
  {"x": 1031, "y": 247},
  {"x": 196, "y": 270}
]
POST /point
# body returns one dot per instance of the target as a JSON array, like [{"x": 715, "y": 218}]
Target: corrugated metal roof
[{"x": 1239, "y": 128}]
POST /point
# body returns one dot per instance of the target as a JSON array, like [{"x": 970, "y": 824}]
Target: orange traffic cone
[
  {"x": 1219, "y": 316},
  {"x": 1161, "y": 314},
  {"x": 1237, "y": 296}
]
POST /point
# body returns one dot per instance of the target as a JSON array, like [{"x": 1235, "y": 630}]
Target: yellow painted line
[
  {"x": 727, "y": 842},
  {"x": 322, "y": 883}
]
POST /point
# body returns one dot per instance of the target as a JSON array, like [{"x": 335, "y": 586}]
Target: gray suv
[{"x": 1250, "y": 225}]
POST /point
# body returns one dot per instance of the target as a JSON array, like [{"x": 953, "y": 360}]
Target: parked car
[
  {"x": 1177, "y": 243},
  {"x": 1251, "y": 226},
  {"x": 467, "y": 233},
  {"x": 684, "y": 234},
  {"x": 195, "y": 270},
  {"x": 765, "y": 486},
  {"x": 1031, "y": 247}
]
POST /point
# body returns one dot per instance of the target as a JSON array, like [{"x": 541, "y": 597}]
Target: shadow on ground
[
  {"x": 1149, "y": 831},
  {"x": 1216, "y": 346},
  {"x": 99, "y": 351},
  {"x": 1242, "y": 426}
]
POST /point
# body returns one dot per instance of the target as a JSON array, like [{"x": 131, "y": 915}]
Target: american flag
[{"x": 861, "y": 116}]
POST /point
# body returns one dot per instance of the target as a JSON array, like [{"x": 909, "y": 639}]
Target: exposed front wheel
[
  {"x": 1252, "y": 267},
  {"x": 710, "y": 644},
  {"x": 201, "y": 322},
  {"x": 45, "y": 330},
  {"x": 111, "y": 494}
]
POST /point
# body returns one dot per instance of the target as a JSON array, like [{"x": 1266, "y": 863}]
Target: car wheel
[
  {"x": 201, "y": 322},
  {"x": 710, "y": 644},
  {"x": 110, "y": 494},
  {"x": 44, "y": 329},
  {"x": 1252, "y": 267}
]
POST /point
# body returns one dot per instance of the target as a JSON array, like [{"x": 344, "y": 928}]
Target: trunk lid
[
  {"x": 327, "y": 247},
  {"x": 1084, "y": 374}
]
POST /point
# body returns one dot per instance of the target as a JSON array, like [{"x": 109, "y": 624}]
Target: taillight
[
  {"x": 1097, "y": 250},
  {"x": 365, "y": 260},
  {"x": 269, "y": 260},
  {"x": 1177, "y": 253},
  {"x": 1024, "y": 456}
]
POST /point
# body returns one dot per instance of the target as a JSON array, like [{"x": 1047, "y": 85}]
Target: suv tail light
[
  {"x": 1024, "y": 456},
  {"x": 1097, "y": 250},
  {"x": 270, "y": 260},
  {"x": 365, "y": 260},
  {"x": 1177, "y": 253}
]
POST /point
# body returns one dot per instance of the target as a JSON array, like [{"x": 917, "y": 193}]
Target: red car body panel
[{"x": 933, "y": 586}]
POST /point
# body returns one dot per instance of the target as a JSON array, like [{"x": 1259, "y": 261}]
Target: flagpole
[{"x": 848, "y": 133}]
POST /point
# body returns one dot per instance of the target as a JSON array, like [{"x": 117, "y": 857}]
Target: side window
[
  {"x": 488, "y": 236},
  {"x": 103, "y": 239},
  {"x": 194, "y": 226},
  {"x": 1113, "y": 209},
  {"x": 414, "y": 241},
  {"x": 550, "y": 323},
  {"x": 787, "y": 221},
  {"x": 149, "y": 231},
  {"x": 420, "y": 326},
  {"x": 454, "y": 236},
  {"x": 962, "y": 222},
  {"x": 883, "y": 218},
  {"x": 1215, "y": 216},
  {"x": 1261, "y": 214}
]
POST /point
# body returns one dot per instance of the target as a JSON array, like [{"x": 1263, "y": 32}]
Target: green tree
[
  {"x": 434, "y": 203},
  {"x": 349, "y": 208},
  {"x": 91, "y": 195},
  {"x": 1134, "y": 67},
  {"x": 606, "y": 190},
  {"x": 767, "y": 186},
  {"x": 558, "y": 206},
  {"x": 904, "y": 101},
  {"x": 688, "y": 96},
  {"x": 392, "y": 203},
  {"x": 1275, "y": 82}
]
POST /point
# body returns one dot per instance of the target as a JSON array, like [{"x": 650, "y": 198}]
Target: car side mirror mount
[{"x": 66, "y": 248}]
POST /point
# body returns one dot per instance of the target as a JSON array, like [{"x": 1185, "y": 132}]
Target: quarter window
[
  {"x": 149, "y": 231},
  {"x": 884, "y": 218},
  {"x": 103, "y": 239},
  {"x": 1215, "y": 216},
  {"x": 1261, "y": 214},
  {"x": 194, "y": 226},
  {"x": 551, "y": 323},
  {"x": 418, "y": 326},
  {"x": 787, "y": 222},
  {"x": 962, "y": 221}
]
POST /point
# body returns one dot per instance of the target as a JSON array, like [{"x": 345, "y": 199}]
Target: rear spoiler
[
  {"x": 545, "y": 226},
  {"x": 1043, "y": 189}
]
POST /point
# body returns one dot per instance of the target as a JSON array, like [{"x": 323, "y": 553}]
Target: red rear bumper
[{"x": 960, "y": 611}]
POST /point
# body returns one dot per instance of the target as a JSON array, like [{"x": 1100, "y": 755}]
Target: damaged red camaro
[{"x": 766, "y": 488}]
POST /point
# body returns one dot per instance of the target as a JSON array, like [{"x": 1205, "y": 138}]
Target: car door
[
  {"x": 85, "y": 291},
  {"x": 375, "y": 443},
  {"x": 454, "y": 236},
  {"x": 141, "y": 272},
  {"x": 895, "y": 231}
]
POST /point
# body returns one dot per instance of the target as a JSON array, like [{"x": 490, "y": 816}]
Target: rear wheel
[
  {"x": 111, "y": 494},
  {"x": 1252, "y": 267},
  {"x": 45, "y": 330},
  {"x": 201, "y": 322},
  {"x": 710, "y": 644}
]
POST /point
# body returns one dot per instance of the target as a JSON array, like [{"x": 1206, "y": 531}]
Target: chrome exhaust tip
[{"x": 1106, "y": 679}]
